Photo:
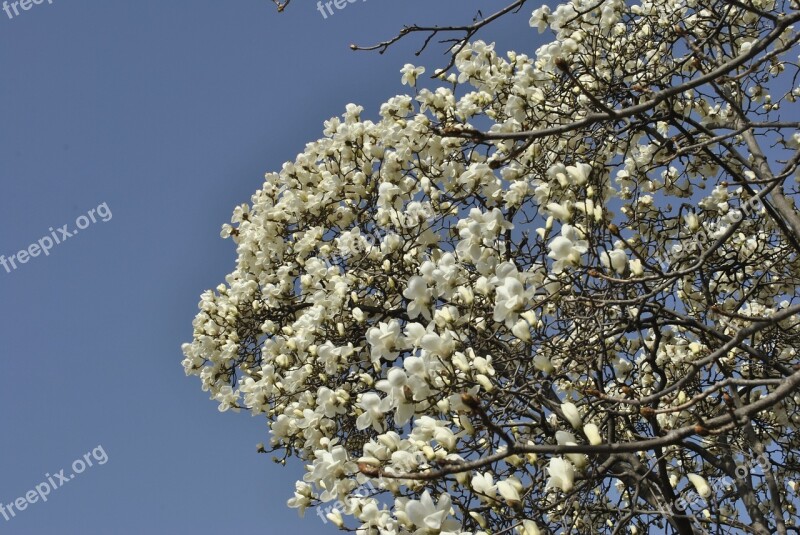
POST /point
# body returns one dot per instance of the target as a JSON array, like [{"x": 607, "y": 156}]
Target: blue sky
[{"x": 169, "y": 113}]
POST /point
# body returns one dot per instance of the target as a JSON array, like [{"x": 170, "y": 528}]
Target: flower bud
[
  {"x": 336, "y": 517},
  {"x": 592, "y": 433},
  {"x": 700, "y": 484},
  {"x": 509, "y": 493},
  {"x": 521, "y": 330},
  {"x": 484, "y": 382},
  {"x": 541, "y": 362},
  {"x": 477, "y": 517},
  {"x": 572, "y": 414},
  {"x": 529, "y": 527}
]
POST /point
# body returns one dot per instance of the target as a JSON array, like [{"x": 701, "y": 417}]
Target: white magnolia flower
[
  {"x": 383, "y": 341},
  {"x": 592, "y": 433},
  {"x": 508, "y": 491},
  {"x": 374, "y": 409},
  {"x": 479, "y": 518},
  {"x": 484, "y": 484},
  {"x": 567, "y": 249},
  {"x": 427, "y": 429},
  {"x": 579, "y": 173},
  {"x": 419, "y": 295},
  {"x": 228, "y": 398},
  {"x": 410, "y": 74},
  {"x": 561, "y": 473},
  {"x": 565, "y": 437},
  {"x": 692, "y": 222},
  {"x": 700, "y": 483},
  {"x": 528, "y": 527},
  {"x": 400, "y": 394},
  {"x": 615, "y": 259},
  {"x": 424, "y": 513},
  {"x": 541, "y": 362},
  {"x": 539, "y": 18},
  {"x": 636, "y": 267},
  {"x": 572, "y": 414},
  {"x": 302, "y": 497},
  {"x": 561, "y": 211},
  {"x": 336, "y": 517},
  {"x": 441, "y": 345},
  {"x": 509, "y": 299},
  {"x": 521, "y": 330}
]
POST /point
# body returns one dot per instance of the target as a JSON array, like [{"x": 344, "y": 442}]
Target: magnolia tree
[{"x": 556, "y": 292}]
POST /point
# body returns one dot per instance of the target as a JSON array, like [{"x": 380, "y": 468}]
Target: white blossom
[
  {"x": 592, "y": 433},
  {"x": 571, "y": 413},
  {"x": 700, "y": 483},
  {"x": 561, "y": 474},
  {"x": 424, "y": 513},
  {"x": 567, "y": 248},
  {"x": 410, "y": 74}
]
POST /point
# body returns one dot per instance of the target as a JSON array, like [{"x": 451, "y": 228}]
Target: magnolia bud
[
  {"x": 529, "y": 527},
  {"x": 509, "y": 493},
  {"x": 541, "y": 362},
  {"x": 479, "y": 519},
  {"x": 467, "y": 296},
  {"x": 700, "y": 484},
  {"x": 521, "y": 330},
  {"x": 466, "y": 423},
  {"x": 336, "y": 517},
  {"x": 484, "y": 382},
  {"x": 572, "y": 414},
  {"x": 592, "y": 433},
  {"x": 530, "y": 317}
]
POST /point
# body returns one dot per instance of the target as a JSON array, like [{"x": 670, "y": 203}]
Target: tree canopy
[{"x": 550, "y": 291}]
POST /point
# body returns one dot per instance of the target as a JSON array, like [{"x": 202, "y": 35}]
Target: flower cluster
[{"x": 471, "y": 362}]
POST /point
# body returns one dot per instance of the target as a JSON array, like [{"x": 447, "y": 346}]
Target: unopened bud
[{"x": 647, "y": 412}]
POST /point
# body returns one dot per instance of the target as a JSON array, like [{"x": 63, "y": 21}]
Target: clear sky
[{"x": 158, "y": 117}]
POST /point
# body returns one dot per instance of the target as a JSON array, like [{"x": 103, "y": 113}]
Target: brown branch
[
  {"x": 676, "y": 436},
  {"x": 469, "y": 32}
]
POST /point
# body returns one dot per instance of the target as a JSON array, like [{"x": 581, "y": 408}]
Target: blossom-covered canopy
[{"x": 556, "y": 292}]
